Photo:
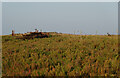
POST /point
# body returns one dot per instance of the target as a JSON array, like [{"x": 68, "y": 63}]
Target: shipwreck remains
[
  {"x": 32, "y": 35},
  {"x": 108, "y": 34}
]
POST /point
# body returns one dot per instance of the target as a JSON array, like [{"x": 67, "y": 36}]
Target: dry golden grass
[{"x": 61, "y": 55}]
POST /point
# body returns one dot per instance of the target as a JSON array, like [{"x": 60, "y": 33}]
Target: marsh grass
[{"x": 61, "y": 55}]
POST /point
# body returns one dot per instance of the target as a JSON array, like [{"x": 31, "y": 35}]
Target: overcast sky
[
  {"x": 60, "y": 0},
  {"x": 65, "y": 17}
]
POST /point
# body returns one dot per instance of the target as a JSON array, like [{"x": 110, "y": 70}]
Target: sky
[
  {"x": 119, "y": 17},
  {"x": 59, "y": 0},
  {"x": 65, "y": 17},
  {"x": 0, "y": 19}
]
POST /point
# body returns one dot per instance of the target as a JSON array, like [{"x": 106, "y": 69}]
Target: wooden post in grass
[{"x": 13, "y": 32}]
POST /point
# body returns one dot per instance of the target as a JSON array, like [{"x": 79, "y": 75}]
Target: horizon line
[{"x": 63, "y": 33}]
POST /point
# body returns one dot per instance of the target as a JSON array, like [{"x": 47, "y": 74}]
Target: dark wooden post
[{"x": 13, "y": 32}]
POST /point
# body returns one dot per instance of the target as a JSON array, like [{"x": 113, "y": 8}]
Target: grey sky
[
  {"x": 60, "y": 0},
  {"x": 65, "y": 17},
  {"x": 119, "y": 17},
  {"x": 0, "y": 18}
]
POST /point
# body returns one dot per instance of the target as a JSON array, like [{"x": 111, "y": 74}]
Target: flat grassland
[{"x": 61, "y": 55}]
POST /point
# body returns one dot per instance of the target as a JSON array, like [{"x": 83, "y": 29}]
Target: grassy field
[{"x": 61, "y": 55}]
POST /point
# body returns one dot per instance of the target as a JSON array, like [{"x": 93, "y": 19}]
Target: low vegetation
[{"x": 61, "y": 55}]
